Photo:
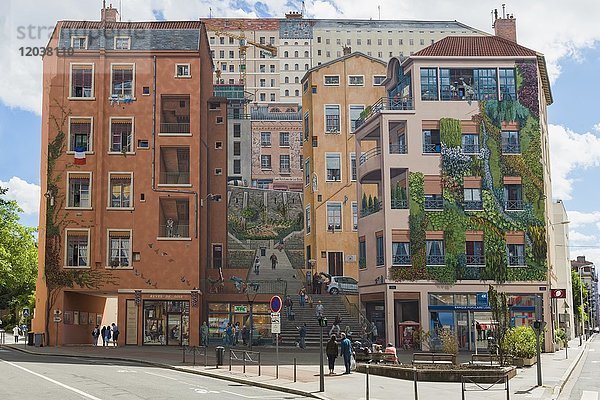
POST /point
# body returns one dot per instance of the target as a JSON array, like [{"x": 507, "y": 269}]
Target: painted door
[{"x": 335, "y": 261}]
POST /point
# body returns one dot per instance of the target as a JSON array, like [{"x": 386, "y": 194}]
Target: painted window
[
  {"x": 77, "y": 249},
  {"x": 332, "y": 118},
  {"x": 121, "y": 135},
  {"x": 122, "y": 80},
  {"x": 80, "y": 133},
  {"x": 265, "y": 161},
  {"x": 82, "y": 81},
  {"x": 400, "y": 253},
  {"x": 380, "y": 256},
  {"x": 119, "y": 249},
  {"x": 334, "y": 216},
  {"x": 120, "y": 190},
  {"x": 333, "y": 163},
  {"x": 265, "y": 139},
  {"x": 429, "y": 86},
  {"x": 79, "y": 191},
  {"x": 308, "y": 222},
  {"x": 508, "y": 85},
  {"x": 435, "y": 252},
  {"x": 355, "y": 111}
]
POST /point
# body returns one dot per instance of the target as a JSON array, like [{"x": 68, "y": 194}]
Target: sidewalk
[{"x": 555, "y": 369}]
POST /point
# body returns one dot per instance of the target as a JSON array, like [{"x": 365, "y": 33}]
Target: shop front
[
  {"x": 166, "y": 322},
  {"x": 238, "y": 313}
]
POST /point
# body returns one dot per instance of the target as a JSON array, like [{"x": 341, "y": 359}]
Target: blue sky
[{"x": 572, "y": 50}]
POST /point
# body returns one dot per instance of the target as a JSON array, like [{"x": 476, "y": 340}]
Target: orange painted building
[{"x": 133, "y": 169}]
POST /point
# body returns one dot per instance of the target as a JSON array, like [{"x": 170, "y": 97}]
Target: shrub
[
  {"x": 449, "y": 341},
  {"x": 520, "y": 342}
]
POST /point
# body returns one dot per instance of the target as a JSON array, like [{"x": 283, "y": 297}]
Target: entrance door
[
  {"x": 335, "y": 261},
  {"x": 462, "y": 329},
  {"x": 174, "y": 329}
]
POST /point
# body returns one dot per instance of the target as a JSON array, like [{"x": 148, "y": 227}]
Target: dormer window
[
  {"x": 122, "y": 43},
  {"x": 79, "y": 42}
]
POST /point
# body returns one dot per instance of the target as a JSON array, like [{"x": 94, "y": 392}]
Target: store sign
[
  {"x": 558, "y": 293},
  {"x": 167, "y": 296},
  {"x": 482, "y": 299},
  {"x": 240, "y": 309}
]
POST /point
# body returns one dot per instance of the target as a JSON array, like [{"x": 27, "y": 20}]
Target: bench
[
  {"x": 489, "y": 359},
  {"x": 434, "y": 358},
  {"x": 386, "y": 358}
]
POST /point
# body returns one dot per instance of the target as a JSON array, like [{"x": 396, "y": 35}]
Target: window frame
[
  {"x": 352, "y": 128},
  {"x": 353, "y": 167},
  {"x": 307, "y": 171},
  {"x": 121, "y": 96},
  {"x": 120, "y": 37},
  {"x": 289, "y": 162},
  {"x": 108, "y": 248},
  {"x": 93, "y": 92},
  {"x": 331, "y": 84},
  {"x": 90, "y": 139},
  {"x": 66, "y": 254},
  {"x": 307, "y": 217},
  {"x": 336, "y": 228},
  {"x": 339, "y": 119},
  {"x": 356, "y": 84},
  {"x": 264, "y": 168},
  {"x": 264, "y": 143},
  {"x": 68, "y": 194},
  {"x": 378, "y": 76},
  {"x": 77, "y": 37},
  {"x": 283, "y": 134},
  {"x": 131, "y": 192},
  {"x": 339, "y": 169},
  {"x": 189, "y": 70},
  {"x": 354, "y": 208},
  {"x": 110, "y": 136}
]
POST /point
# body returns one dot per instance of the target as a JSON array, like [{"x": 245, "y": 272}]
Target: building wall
[
  {"x": 245, "y": 144},
  {"x": 562, "y": 269}
]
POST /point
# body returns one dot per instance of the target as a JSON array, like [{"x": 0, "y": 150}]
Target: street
[
  {"x": 27, "y": 376},
  {"x": 584, "y": 383}
]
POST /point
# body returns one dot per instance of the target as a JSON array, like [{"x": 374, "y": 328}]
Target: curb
[
  {"x": 179, "y": 369},
  {"x": 557, "y": 390}
]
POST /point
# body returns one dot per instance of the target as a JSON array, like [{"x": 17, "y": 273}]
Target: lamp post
[{"x": 580, "y": 304}]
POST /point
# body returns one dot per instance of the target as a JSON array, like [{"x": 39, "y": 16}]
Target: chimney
[
  {"x": 109, "y": 14},
  {"x": 293, "y": 15},
  {"x": 506, "y": 28},
  {"x": 581, "y": 259},
  {"x": 347, "y": 50}
]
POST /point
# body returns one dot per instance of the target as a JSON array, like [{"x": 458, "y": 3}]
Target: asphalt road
[
  {"x": 24, "y": 376},
  {"x": 584, "y": 383}
]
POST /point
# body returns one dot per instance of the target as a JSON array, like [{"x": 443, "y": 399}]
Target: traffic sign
[
  {"x": 275, "y": 322},
  {"x": 276, "y": 304},
  {"x": 57, "y": 319},
  {"x": 26, "y": 312},
  {"x": 558, "y": 293}
]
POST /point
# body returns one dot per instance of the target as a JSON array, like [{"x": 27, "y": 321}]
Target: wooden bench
[{"x": 434, "y": 358}]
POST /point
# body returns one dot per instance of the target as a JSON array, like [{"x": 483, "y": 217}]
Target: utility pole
[{"x": 322, "y": 323}]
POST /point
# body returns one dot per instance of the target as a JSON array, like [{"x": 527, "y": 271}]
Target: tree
[
  {"x": 500, "y": 314},
  {"x": 579, "y": 290},
  {"x": 18, "y": 257}
]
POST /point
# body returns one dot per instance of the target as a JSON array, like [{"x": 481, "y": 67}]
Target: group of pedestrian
[
  {"x": 334, "y": 349},
  {"x": 231, "y": 336},
  {"x": 273, "y": 259},
  {"x": 317, "y": 284},
  {"x": 106, "y": 333}
]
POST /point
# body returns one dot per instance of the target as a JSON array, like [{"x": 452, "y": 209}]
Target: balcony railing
[
  {"x": 362, "y": 262},
  {"x": 511, "y": 148},
  {"x": 473, "y": 205},
  {"x": 370, "y": 210},
  {"x": 400, "y": 204},
  {"x": 403, "y": 259},
  {"x": 174, "y": 231},
  {"x": 379, "y": 260},
  {"x": 386, "y": 103},
  {"x": 434, "y": 204},
  {"x": 374, "y": 152},
  {"x": 516, "y": 260},
  {"x": 174, "y": 178},
  {"x": 473, "y": 259},
  {"x": 470, "y": 148},
  {"x": 175, "y": 127},
  {"x": 436, "y": 260},
  {"x": 513, "y": 205},
  {"x": 398, "y": 149},
  {"x": 432, "y": 148}
]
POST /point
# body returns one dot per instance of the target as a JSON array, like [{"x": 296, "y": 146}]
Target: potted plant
[{"x": 520, "y": 342}]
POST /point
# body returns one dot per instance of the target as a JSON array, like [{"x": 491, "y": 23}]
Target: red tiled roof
[
  {"x": 475, "y": 46},
  {"x": 132, "y": 25}
]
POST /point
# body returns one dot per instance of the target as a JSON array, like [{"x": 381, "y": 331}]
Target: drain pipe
[{"x": 154, "y": 188}]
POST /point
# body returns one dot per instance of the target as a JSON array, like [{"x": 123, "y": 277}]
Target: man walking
[
  {"x": 319, "y": 310},
  {"x": 115, "y": 334},
  {"x": 273, "y": 259},
  {"x": 96, "y": 334},
  {"x": 288, "y": 303},
  {"x": 204, "y": 335},
  {"x": 302, "y": 296},
  {"x": 346, "y": 350},
  {"x": 302, "y": 334},
  {"x": 16, "y": 333}
]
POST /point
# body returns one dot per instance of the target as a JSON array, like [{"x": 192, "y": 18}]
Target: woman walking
[
  {"x": 107, "y": 336},
  {"x": 332, "y": 352}
]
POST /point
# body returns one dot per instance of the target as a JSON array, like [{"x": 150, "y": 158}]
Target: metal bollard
[
  {"x": 244, "y": 362},
  {"x": 205, "y": 356},
  {"x": 230, "y": 359},
  {"x": 294, "y": 369},
  {"x": 367, "y": 377},
  {"x": 183, "y": 354},
  {"x": 507, "y": 387},
  {"x": 194, "y": 348},
  {"x": 258, "y": 364},
  {"x": 415, "y": 382}
]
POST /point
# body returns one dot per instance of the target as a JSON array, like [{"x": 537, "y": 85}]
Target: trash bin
[
  {"x": 38, "y": 339},
  {"x": 29, "y": 338},
  {"x": 220, "y": 354}
]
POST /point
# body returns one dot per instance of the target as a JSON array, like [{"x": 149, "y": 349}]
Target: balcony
[
  {"x": 436, "y": 260},
  {"x": 475, "y": 260},
  {"x": 516, "y": 261},
  {"x": 403, "y": 259},
  {"x": 399, "y": 204},
  {"x": 473, "y": 205},
  {"x": 434, "y": 204},
  {"x": 365, "y": 211},
  {"x": 432, "y": 148},
  {"x": 385, "y": 104},
  {"x": 511, "y": 148},
  {"x": 513, "y": 205},
  {"x": 380, "y": 260},
  {"x": 231, "y": 92},
  {"x": 175, "y": 115},
  {"x": 174, "y": 178},
  {"x": 470, "y": 148},
  {"x": 374, "y": 152},
  {"x": 175, "y": 128},
  {"x": 174, "y": 231},
  {"x": 398, "y": 149}
]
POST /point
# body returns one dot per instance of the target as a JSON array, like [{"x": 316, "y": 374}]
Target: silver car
[{"x": 342, "y": 284}]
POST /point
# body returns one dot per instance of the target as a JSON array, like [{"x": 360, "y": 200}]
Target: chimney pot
[
  {"x": 506, "y": 28},
  {"x": 109, "y": 14}
]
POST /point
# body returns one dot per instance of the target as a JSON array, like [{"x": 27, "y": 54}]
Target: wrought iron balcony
[
  {"x": 175, "y": 128},
  {"x": 516, "y": 260},
  {"x": 374, "y": 152},
  {"x": 398, "y": 149},
  {"x": 475, "y": 259},
  {"x": 432, "y": 148},
  {"x": 434, "y": 204},
  {"x": 470, "y": 148},
  {"x": 511, "y": 148},
  {"x": 436, "y": 260},
  {"x": 174, "y": 231},
  {"x": 401, "y": 259},
  {"x": 473, "y": 205},
  {"x": 513, "y": 205},
  {"x": 399, "y": 204},
  {"x": 386, "y": 103}
]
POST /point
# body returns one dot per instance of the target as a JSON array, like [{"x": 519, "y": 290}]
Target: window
[
  {"x": 119, "y": 249},
  {"x": 306, "y": 54},
  {"x": 328, "y": 54},
  {"x": 122, "y": 80},
  {"x": 400, "y": 42},
  {"x": 301, "y": 162},
  {"x": 272, "y": 68},
  {"x": 327, "y": 41},
  {"x": 237, "y": 130},
  {"x": 120, "y": 190},
  {"x": 355, "y": 111},
  {"x": 508, "y": 86},
  {"x": 308, "y": 222},
  {"x": 431, "y": 141},
  {"x": 380, "y": 256},
  {"x": 262, "y": 83},
  {"x": 272, "y": 97},
  {"x": 80, "y": 134},
  {"x": 296, "y": 67},
  {"x": 356, "y": 80},
  {"x": 510, "y": 142},
  {"x": 224, "y": 67},
  {"x": 332, "y": 118},
  {"x": 472, "y": 199},
  {"x": 474, "y": 253},
  {"x": 221, "y": 53},
  {"x": 378, "y": 80},
  {"x": 79, "y": 42},
  {"x": 354, "y": 216},
  {"x": 338, "y": 41},
  {"x": 237, "y": 166},
  {"x": 265, "y": 139},
  {"x": 516, "y": 254},
  {"x": 231, "y": 68},
  {"x": 82, "y": 81},
  {"x": 231, "y": 54},
  {"x": 182, "y": 70},
  {"x": 265, "y": 161},
  {"x": 368, "y": 42},
  {"x": 262, "y": 39},
  {"x": 296, "y": 93},
  {"x": 332, "y": 80},
  {"x": 485, "y": 84},
  {"x": 332, "y": 161},
  {"x": 271, "y": 40},
  {"x": 284, "y": 139},
  {"x": 513, "y": 193},
  {"x": 284, "y": 163},
  {"x": 422, "y": 42},
  {"x": 77, "y": 248},
  {"x": 221, "y": 40},
  {"x": 306, "y": 126},
  {"x": 435, "y": 252},
  {"x": 297, "y": 80},
  {"x": 121, "y": 135},
  {"x": 470, "y": 143},
  {"x": 334, "y": 216},
  {"x": 307, "y": 172},
  {"x": 122, "y": 42},
  {"x": 296, "y": 53},
  {"x": 174, "y": 166},
  {"x": 174, "y": 217},
  {"x": 79, "y": 195},
  {"x": 411, "y": 42},
  {"x": 353, "y": 166},
  {"x": 286, "y": 54},
  {"x": 429, "y": 89},
  {"x": 272, "y": 82},
  {"x": 286, "y": 92},
  {"x": 237, "y": 148},
  {"x": 434, "y": 202},
  {"x": 390, "y": 42},
  {"x": 315, "y": 141},
  {"x": 263, "y": 97},
  {"x": 400, "y": 253},
  {"x": 318, "y": 39},
  {"x": 362, "y": 253},
  {"x": 379, "y": 42}
]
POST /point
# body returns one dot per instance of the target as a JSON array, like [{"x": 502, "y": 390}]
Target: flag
[{"x": 79, "y": 156}]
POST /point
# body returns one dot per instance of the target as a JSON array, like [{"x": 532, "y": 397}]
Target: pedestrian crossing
[{"x": 589, "y": 395}]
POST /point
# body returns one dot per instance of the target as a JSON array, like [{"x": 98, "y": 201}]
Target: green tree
[
  {"x": 579, "y": 290},
  {"x": 18, "y": 257},
  {"x": 500, "y": 314}
]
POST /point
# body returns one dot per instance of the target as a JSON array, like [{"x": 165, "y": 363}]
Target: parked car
[{"x": 342, "y": 284}]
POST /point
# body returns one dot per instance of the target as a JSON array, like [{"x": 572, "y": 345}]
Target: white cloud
[
  {"x": 26, "y": 194},
  {"x": 575, "y": 236},
  {"x": 597, "y": 127},
  {"x": 579, "y": 219},
  {"x": 568, "y": 151}
]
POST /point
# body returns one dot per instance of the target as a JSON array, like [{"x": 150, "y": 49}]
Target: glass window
[
  {"x": 431, "y": 141},
  {"x": 79, "y": 42},
  {"x": 77, "y": 249},
  {"x": 265, "y": 161},
  {"x": 80, "y": 131},
  {"x": 508, "y": 85},
  {"x": 485, "y": 84},
  {"x": 122, "y": 43},
  {"x": 120, "y": 191},
  {"x": 514, "y": 197},
  {"x": 308, "y": 223},
  {"x": 354, "y": 216},
  {"x": 122, "y": 80},
  {"x": 237, "y": 130},
  {"x": 82, "y": 81},
  {"x": 284, "y": 163},
  {"x": 353, "y": 166},
  {"x": 362, "y": 253},
  {"x": 380, "y": 258},
  {"x": 121, "y": 135},
  {"x": 174, "y": 217},
  {"x": 237, "y": 166},
  {"x": 435, "y": 252},
  {"x": 79, "y": 191},
  {"x": 516, "y": 254},
  {"x": 333, "y": 162},
  {"x": 436, "y": 299},
  {"x": 378, "y": 80},
  {"x": 265, "y": 139},
  {"x": 183, "y": 70},
  {"x": 332, "y": 118},
  {"x": 356, "y": 80},
  {"x": 174, "y": 166},
  {"x": 334, "y": 216},
  {"x": 474, "y": 252},
  {"x": 429, "y": 89},
  {"x": 284, "y": 139},
  {"x": 237, "y": 148},
  {"x": 400, "y": 253},
  {"x": 510, "y": 142},
  {"x": 470, "y": 143},
  {"x": 119, "y": 248},
  {"x": 355, "y": 111},
  {"x": 332, "y": 80}
]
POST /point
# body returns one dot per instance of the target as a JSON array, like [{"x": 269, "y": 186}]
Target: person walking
[
  {"x": 257, "y": 265},
  {"x": 288, "y": 304},
  {"x": 332, "y": 352},
  {"x": 115, "y": 334},
  {"x": 204, "y": 335},
  {"x": 96, "y": 335},
  {"x": 346, "y": 350},
  {"x": 302, "y": 334},
  {"x": 302, "y": 296},
  {"x": 103, "y": 334},
  {"x": 245, "y": 335},
  {"x": 315, "y": 280},
  {"x": 229, "y": 334},
  {"x": 107, "y": 335},
  {"x": 16, "y": 333},
  {"x": 335, "y": 330},
  {"x": 236, "y": 333},
  {"x": 273, "y": 259},
  {"x": 319, "y": 310}
]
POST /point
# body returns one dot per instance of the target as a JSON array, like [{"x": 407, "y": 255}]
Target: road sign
[
  {"x": 275, "y": 322},
  {"x": 26, "y": 312},
  {"x": 558, "y": 293},
  {"x": 276, "y": 304},
  {"x": 57, "y": 319}
]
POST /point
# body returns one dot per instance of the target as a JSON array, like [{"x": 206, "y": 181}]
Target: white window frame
[
  {"x": 270, "y": 139},
  {"x": 122, "y": 37},
  {"x": 93, "y": 96},
  {"x": 325, "y": 118},
  {"x": 131, "y": 193},
  {"x": 327, "y": 204},
  {"x": 189, "y": 70},
  {"x": 91, "y": 139},
  {"x": 308, "y": 217},
  {"x": 340, "y": 156},
  {"x": 350, "y": 115},
  {"x": 354, "y": 207},
  {"x": 378, "y": 76},
  {"x": 69, "y": 173},
  {"x": 132, "y": 78},
  {"x": 66, "y": 255},
  {"x": 331, "y": 84},
  {"x": 110, "y": 119},
  {"x": 289, "y": 160},
  {"x": 353, "y": 157},
  {"x": 270, "y": 168},
  {"x": 356, "y": 76},
  {"x": 108, "y": 231},
  {"x": 288, "y": 141},
  {"x": 77, "y": 37}
]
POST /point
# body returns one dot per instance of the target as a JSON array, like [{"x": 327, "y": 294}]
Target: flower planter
[{"x": 521, "y": 362}]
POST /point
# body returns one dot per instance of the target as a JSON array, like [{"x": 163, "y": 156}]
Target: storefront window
[
  {"x": 166, "y": 322},
  {"x": 460, "y": 299},
  {"x": 437, "y": 299},
  {"x": 220, "y": 314}
]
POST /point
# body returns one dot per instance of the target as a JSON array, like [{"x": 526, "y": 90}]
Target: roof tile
[{"x": 475, "y": 46}]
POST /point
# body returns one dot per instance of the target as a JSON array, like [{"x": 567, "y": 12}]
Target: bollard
[
  {"x": 183, "y": 354},
  {"x": 230, "y": 359},
  {"x": 205, "y": 356},
  {"x": 415, "y": 383},
  {"x": 244, "y": 362},
  {"x": 367, "y": 377},
  {"x": 507, "y": 387},
  {"x": 258, "y": 364},
  {"x": 294, "y": 369},
  {"x": 194, "y": 348}
]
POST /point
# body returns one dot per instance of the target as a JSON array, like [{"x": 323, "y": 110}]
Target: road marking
[
  {"x": 588, "y": 395},
  {"x": 82, "y": 393},
  {"x": 591, "y": 349},
  {"x": 162, "y": 376},
  {"x": 251, "y": 397}
]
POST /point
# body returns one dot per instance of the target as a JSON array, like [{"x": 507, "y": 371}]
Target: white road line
[
  {"x": 253, "y": 397},
  {"x": 162, "y": 376},
  {"x": 588, "y": 395},
  {"x": 84, "y": 394}
]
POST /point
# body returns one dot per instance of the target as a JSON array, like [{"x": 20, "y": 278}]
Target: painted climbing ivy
[{"x": 491, "y": 165}]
